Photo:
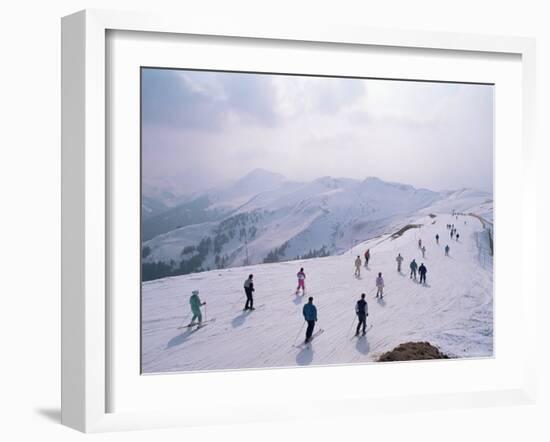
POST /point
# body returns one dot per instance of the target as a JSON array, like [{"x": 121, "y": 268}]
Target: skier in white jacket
[
  {"x": 380, "y": 286},
  {"x": 358, "y": 266},
  {"x": 399, "y": 260}
]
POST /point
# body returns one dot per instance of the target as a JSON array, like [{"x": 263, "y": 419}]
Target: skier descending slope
[
  {"x": 413, "y": 266},
  {"x": 367, "y": 257},
  {"x": 419, "y": 243},
  {"x": 423, "y": 251},
  {"x": 447, "y": 250},
  {"x": 358, "y": 266},
  {"x": 457, "y": 236},
  {"x": 248, "y": 289},
  {"x": 380, "y": 286},
  {"x": 399, "y": 260},
  {"x": 310, "y": 315},
  {"x": 301, "y": 281},
  {"x": 362, "y": 311},
  {"x": 437, "y": 238},
  {"x": 196, "y": 304},
  {"x": 422, "y": 270}
]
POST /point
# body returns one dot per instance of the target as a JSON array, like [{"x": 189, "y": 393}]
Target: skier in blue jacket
[
  {"x": 310, "y": 315},
  {"x": 196, "y": 304}
]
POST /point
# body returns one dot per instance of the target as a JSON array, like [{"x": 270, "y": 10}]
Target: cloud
[
  {"x": 299, "y": 95},
  {"x": 216, "y": 125},
  {"x": 206, "y": 101}
]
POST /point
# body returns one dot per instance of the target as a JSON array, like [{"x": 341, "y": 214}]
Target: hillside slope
[{"x": 453, "y": 311}]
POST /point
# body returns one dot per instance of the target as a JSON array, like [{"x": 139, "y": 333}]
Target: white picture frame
[{"x": 86, "y": 211}]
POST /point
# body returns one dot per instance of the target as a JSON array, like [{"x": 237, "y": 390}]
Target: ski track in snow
[{"x": 453, "y": 311}]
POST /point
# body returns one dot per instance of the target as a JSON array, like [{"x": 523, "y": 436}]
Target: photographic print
[{"x": 302, "y": 220}]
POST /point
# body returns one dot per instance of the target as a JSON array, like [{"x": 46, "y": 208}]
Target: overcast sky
[{"x": 201, "y": 128}]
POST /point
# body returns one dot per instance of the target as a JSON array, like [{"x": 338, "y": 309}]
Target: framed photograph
[{"x": 263, "y": 212}]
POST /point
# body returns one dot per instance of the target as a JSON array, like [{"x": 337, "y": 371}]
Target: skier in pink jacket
[{"x": 301, "y": 281}]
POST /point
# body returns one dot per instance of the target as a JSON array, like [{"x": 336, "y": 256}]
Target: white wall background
[{"x": 30, "y": 219}]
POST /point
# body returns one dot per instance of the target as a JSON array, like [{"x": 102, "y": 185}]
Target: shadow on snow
[
  {"x": 305, "y": 356},
  {"x": 239, "y": 320},
  {"x": 180, "y": 339},
  {"x": 362, "y": 345}
]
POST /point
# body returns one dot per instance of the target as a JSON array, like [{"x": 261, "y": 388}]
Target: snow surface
[{"x": 453, "y": 311}]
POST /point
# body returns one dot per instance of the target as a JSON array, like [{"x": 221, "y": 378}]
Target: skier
[
  {"x": 301, "y": 281},
  {"x": 423, "y": 251},
  {"x": 310, "y": 315},
  {"x": 399, "y": 260},
  {"x": 457, "y": 236},
  {"x": 419, "y": 243},
  {"x": 248, "y": 289},
  {"x": 437, "y": 238},
  {"x": 196, "y": 304},
  {"x": 447, "y": 250},
  {"x": 413, "y": 265},
  {"x": 422, "y": 270},
  {"x": 358, "y": 266},
  {"x": 452, "y": 233},
  {"x": 380, "y": 286},
  {"x": 362, "y": 311},
  {"x": 367, "y": 257}
]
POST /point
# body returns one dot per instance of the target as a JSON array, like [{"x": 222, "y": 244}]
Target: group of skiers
[
  {"x": 453, "y": 231},
  {"x": 196, "y": 303},
  {"x": 358, "y": 263},
  {"x": 422, "y": 270},
  {"x": 309, "y": 310}
]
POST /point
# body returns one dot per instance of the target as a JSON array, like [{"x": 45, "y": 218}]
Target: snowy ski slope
[{"x": 453, "y": 311}]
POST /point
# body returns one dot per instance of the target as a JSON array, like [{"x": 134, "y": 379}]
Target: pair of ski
[
  {"x": 197, "y": 325},
  {"x": 313, "y": 336},
  {"x": 361, "y": 335},
  {"x": 321, "y": 331},
  {"x": 250, "y": 310}
]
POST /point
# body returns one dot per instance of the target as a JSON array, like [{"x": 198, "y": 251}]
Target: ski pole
[
  {"x": 353, "y": 322},
  {"x": 299, "y": 331},
  {"x": 205, "y": 311},
  {"x": 181, "y": 325}
]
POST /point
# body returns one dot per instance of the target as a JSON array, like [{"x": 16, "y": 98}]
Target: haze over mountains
[{"x": 263, "y": 217}]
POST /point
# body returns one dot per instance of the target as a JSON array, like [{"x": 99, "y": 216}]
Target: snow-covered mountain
[
  {"x": 264, "y": 218},
  {"x": 210, "y": 205},
  {"x": 453, "y": 311},
  {"x": 160, "y": 195}
]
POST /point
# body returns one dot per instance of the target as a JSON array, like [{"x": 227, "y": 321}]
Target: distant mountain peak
[
  {"x": 257, "y": 181},
  {"x": 326, "y": 180},
  {"x": 375, "y": 181},
  {"x": 372, "y": 179},
  {"x": 260, "y": 173}
]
